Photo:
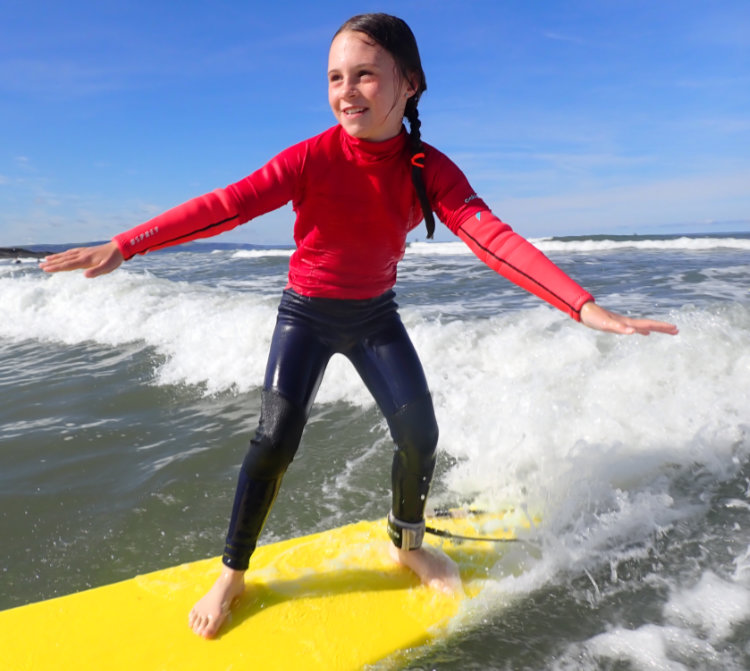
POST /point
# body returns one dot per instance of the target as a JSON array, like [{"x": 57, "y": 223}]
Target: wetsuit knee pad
[
  {"x": 277, "y": 438},
  {"x": 414, "y": 429}
]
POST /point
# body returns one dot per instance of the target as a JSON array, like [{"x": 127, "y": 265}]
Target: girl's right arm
[
  {"x": 267, "y": 189},
  {"x": 200, "y": 217}
]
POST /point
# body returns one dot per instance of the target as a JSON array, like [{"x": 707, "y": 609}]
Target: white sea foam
[
  {"x": 667, "y": 244},
  {"x": 262, "y": 253},
  {"x": 534, "y": 387},
  {"x": 586, "y": 429},
  {"x": 654, "y": 647},
  {"x": 206, "y": 336},
  {"x": 596, "y": 245},
  {"x": 697, "y": 622},
  {"x": 713, "y": 607}
]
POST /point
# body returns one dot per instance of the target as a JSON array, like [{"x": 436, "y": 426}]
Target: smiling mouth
[{"x": 354, "y": 111}]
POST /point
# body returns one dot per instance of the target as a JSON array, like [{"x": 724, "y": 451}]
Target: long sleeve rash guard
[{"x": 355, "y": 203}]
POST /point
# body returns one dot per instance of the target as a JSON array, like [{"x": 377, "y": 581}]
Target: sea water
[{"x": 128, "y": 402}]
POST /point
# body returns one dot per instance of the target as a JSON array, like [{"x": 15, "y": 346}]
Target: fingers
[
  {"x": 71, "y": 259},
  {"x": 643, "y": 326},
  {"x": 646, "y": 326},
  {"x": 596, "y": 317}
]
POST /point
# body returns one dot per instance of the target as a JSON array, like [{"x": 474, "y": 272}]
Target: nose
[{"x": 350, "y": 88}]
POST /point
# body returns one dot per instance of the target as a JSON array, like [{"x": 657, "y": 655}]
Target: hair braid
[{"x": 417, "y": 165}]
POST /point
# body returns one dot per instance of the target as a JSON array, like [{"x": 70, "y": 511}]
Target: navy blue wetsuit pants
[{"x": 308, "y": 332}]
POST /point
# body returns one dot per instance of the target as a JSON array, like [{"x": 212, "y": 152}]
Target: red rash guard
[{"x": 355, "y": 203}]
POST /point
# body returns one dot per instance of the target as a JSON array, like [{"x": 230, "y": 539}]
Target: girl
[{"x": 357, "y": 190}]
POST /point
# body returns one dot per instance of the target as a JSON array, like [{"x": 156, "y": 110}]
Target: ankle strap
[{"x": 405, "y": 535}]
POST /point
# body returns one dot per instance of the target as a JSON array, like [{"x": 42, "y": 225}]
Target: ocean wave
[
  {"x": 261, "y": 253},
  {"x": 206, "y": 336},
  {"x": 685, "y": 243},
  {"x": 690, "y": 244},
  {"x": 615, "y": 441}
]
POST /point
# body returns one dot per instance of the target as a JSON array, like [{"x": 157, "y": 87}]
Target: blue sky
[{"x": 569, "y": 117}]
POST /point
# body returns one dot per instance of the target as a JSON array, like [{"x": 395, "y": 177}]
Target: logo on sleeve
[{"x": 142, "y": 236}]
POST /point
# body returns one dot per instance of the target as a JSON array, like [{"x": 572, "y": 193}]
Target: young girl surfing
[{"x": 357, "y": 190}]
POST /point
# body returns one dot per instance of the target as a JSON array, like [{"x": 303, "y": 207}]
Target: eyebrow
[{"x": 359, "y": 66}]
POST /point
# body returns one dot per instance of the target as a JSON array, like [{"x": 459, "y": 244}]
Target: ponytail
[{"x": 417, "y": 164}]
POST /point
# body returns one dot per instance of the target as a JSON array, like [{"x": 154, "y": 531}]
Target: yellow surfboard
[{"x": 330, "y": 601}]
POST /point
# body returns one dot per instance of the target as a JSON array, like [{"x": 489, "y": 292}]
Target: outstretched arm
[
  {"x": 96, "y": 261},
  {"x": 221, "y": 210},
  {"x": 516, "y": 259}
]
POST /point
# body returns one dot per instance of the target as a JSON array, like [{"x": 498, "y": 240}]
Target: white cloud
[{"x": 559, "y": 37}]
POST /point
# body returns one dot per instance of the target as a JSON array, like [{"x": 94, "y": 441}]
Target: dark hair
[{"x": 395, "y": 36}]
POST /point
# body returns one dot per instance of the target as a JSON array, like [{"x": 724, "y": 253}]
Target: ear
[{"x": 412, "y": 85}]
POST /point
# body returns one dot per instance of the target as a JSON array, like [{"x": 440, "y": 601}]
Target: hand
[
  {"x": 596, "y": 317},
  {"x": 95, "y": 261}
]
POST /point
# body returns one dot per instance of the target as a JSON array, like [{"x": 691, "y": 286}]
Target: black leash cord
[{"x": 460, "y": 537}]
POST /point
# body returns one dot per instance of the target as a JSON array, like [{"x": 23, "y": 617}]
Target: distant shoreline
[{"x": 22, "y": 253}]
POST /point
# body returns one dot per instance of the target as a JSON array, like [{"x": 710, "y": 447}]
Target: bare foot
[
  {"x": 210, "y": 612},
  {"x": 434, "y": 568}
]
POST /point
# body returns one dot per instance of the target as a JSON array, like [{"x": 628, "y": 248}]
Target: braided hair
[{"x": 395, "y": 36}]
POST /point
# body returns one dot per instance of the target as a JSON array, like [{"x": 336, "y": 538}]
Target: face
[{"x": 365, "y": 89}]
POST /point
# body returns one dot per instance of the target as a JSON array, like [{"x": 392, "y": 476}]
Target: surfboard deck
[{"x": 330, "y": 601}]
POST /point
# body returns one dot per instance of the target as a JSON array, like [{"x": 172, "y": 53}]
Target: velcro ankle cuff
[{"x": 405, "y": 535}]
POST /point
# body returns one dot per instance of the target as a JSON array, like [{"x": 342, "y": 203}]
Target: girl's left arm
[{"x": 516, "y": 259}]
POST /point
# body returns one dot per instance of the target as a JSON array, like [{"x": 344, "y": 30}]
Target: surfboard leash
[
  {"x": 460, "y": 537},
  {"x": 463, "y": 512}
]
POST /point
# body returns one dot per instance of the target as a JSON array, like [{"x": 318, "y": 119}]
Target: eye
[{"x": 334, "y": 77}]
